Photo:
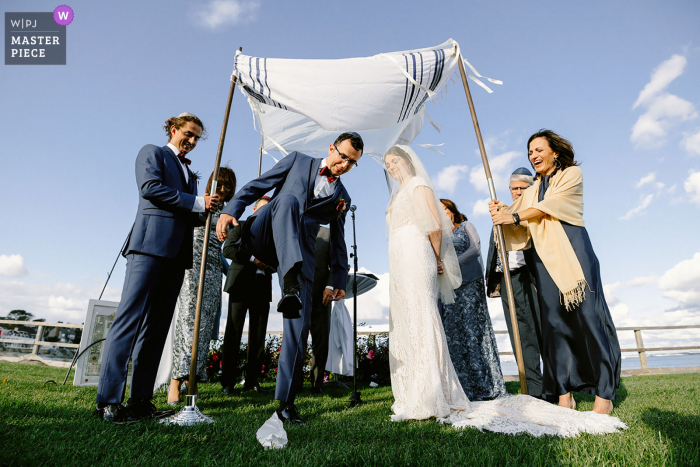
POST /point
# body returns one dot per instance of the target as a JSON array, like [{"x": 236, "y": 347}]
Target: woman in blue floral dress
[{"x": 468, "y": 328}]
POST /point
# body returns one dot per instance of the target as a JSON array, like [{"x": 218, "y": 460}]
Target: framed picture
[{"x": 99, "y": 318}]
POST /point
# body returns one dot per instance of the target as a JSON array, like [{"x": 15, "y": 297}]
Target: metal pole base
[
  {"x": 355, "y": 400},
  {"x": 189, "y": 415}
]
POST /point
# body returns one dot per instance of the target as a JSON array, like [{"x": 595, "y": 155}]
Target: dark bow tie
[
  {"x": 183, "y": 159},
  {"x": 326, "y": 172}
]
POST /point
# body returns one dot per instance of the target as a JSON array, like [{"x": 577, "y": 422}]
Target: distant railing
[
  {"x": 640, "y": 349},
  {"x": 37, "y": 342}
]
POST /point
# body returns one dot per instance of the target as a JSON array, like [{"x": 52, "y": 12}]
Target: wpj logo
[{"x": 37, "y": 38}]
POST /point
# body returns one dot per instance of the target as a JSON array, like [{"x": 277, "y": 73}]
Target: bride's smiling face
[{"x": 396, "y": 166}]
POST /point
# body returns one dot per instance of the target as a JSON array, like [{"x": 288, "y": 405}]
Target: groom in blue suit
[
  {"x": 308, "y": 193},
  {"x": 158, "y": 251}
]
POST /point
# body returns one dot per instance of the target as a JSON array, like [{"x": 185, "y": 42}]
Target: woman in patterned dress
[
  {"x": 211, "y": 298},
  {"x": 467, "y": 324}
]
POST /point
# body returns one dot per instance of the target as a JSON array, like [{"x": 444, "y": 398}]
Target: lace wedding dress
[{"x": 423, "y": 379}]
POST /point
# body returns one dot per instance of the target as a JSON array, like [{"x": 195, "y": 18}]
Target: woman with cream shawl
[{"x": 580, "y": 346}]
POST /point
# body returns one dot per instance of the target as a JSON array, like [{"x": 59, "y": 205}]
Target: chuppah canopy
[{"x": 303, "y": 105}]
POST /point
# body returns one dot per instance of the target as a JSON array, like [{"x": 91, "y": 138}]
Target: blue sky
[{"x": 619, "y": 79}]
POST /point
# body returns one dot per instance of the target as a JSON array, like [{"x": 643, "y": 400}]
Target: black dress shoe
[
  {"x": 114, "y": 413},
  {"x": 144, "y": 409},
  {"x": 317, "y": 391},
  {"x": 255, "y": 388},
  {"x": 228, "y": 390},
  {"x": 290, "y": 415},
  {"x": 290, "y": 306}
]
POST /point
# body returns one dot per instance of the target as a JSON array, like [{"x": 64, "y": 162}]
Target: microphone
[{"x": 353, "y": 208}]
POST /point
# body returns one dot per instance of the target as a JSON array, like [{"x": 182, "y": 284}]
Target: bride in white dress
[{"x": 423, "y": 266}]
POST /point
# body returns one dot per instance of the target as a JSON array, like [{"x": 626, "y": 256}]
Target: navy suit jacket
[
  {"x": 296, "y": 174},
  {"x": 164, "y": 220}
]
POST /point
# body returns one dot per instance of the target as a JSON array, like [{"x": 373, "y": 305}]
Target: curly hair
[{"x": 179, "y": 122}]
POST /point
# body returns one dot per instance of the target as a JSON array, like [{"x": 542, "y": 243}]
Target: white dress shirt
[
  {"x": 322, "y": 188},
  {"x": 199, "y": 205},
  {"x": 516, "y": 259}
]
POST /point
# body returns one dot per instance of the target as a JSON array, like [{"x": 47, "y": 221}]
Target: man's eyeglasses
[{"x": 351, "y": 162}]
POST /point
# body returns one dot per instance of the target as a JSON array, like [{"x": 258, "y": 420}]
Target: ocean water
[{"x": 631, "y": 362}]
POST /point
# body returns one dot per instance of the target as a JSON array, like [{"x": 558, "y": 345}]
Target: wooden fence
[{"x": 640, "y": 349}]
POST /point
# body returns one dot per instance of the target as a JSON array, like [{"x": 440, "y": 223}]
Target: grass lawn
[{"x": 53, "y": 425}]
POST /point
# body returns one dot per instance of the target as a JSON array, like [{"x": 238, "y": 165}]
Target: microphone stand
[{"x": 355, "y": 398}]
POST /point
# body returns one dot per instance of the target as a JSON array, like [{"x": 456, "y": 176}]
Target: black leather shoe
[
  {"x": 290, "y": 306},
  {"x": 317, "y": 391},
  {"x": 114, "y": 413},
  {"x": 228, "y": 390},
  {"x": 144, "y": 409},
  {"x": 290, "y": 415},
  {"x": 255, "y": 388}
]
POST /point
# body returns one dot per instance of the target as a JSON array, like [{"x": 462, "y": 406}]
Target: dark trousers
[
  {"x": 273, "y": 234},
  {"x": 320, "y": 332},
  {"x": 293, "y": 352},
  {"x": 529, "y": 325},
  {"x": 139, "y": 330},
  {"x": 257, "y": 329}
]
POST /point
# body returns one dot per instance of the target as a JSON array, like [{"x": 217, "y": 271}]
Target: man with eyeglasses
[
  {"x": 308, "y": 193},
  {"x": 527, "y": 309},
  {"x": 158, "y": 251}
]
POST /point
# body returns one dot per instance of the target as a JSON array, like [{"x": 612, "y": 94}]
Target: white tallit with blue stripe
[{"x": 302, "y": 105}]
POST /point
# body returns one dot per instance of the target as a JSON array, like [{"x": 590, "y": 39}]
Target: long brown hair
[
  {"x": 452, "y": 207},
  {"x": 226, "y": 186},
  {"x": 559, "y": 145}
]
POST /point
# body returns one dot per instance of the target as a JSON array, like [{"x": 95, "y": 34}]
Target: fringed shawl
[{"x": 563, "y": 201}]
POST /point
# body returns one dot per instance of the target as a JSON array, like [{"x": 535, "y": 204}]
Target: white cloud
[
  {"x": 53, "y": 301},
  {"x": 448, "y": 177},
  {"x": 682, "y": 281},
  {"x": 12, "y": 266},
  {"x": 663, "y": 110},
  {"x": 691, "y": 143},
  {"x": 646, "y": 179},
  {"x": 643, "y": 280},
  {"x": 661, "y": 77},
  {"x": 219, "y": 13},
  {"x": 663, "y": 113},
  {"x": 501, "y": 168},
  {"x": 481, "y": 208},
  {"x": 692, "y": 186},
  {"x": 643, "y": 204}
]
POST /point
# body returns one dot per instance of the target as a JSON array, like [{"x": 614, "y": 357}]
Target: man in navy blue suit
[
  {"x": 308, "y": 193},
  {"x": 158, "y": 251}
]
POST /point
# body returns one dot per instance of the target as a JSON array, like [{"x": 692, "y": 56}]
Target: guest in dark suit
[
  {"x": 526, "y": 307},
  {"x": 308, "y": 193},
  {"x": 158, "y": 252},
  {"x": 322, "y": 296},
  {"x": 249, "y": 285}
]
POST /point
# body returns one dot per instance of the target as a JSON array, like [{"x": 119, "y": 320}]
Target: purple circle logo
[{"x": 63, "y": 15}]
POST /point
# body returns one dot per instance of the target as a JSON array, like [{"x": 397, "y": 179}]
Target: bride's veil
[{"x": 414, "y": 200}]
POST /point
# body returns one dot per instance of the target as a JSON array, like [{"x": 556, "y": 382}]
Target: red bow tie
[
  {"x": 326, "y": 172},
  {"x": 183, "y": 159}
]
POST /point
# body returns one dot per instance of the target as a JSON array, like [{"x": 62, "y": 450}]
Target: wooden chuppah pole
[
  {"x": 500, "y": 241},
  {"x": 205, "y": 245}
]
